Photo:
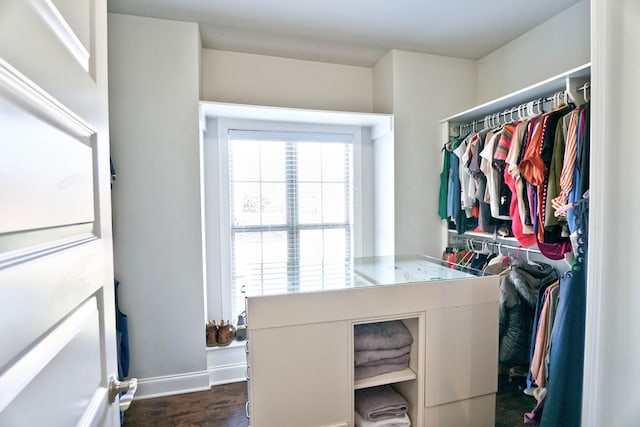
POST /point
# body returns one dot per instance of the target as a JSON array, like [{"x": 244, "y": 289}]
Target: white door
[{"x": 57, "y": 324}]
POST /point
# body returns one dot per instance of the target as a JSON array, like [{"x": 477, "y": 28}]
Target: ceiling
[{"x": 355, "y": 32}]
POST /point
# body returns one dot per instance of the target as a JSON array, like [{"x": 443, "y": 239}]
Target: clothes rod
[
  {"x": 496, "y": 245},
  {"x": 493, "y": 120}
]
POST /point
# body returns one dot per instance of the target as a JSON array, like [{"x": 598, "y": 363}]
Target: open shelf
[
  {"x": 406, "y": 374},
  {"x": 544, "y": 88}
]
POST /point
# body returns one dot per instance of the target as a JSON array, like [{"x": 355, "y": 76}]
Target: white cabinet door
[
  {"x": 300, "y": 375},
  {"x": 462, "y": 353},
  {"x": 57, "y": 323}
]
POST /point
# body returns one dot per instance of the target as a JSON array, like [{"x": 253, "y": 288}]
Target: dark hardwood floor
[{"x": 223, "y": 406}]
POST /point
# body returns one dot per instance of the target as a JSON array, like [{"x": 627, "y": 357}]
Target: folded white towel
[{"x": 403, "y": 421}]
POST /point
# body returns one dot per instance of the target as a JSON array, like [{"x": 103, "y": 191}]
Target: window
[{"x": 291, "y": 211}]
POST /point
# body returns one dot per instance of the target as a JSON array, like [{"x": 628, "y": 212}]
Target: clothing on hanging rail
[{"x": 510, "y": 179}]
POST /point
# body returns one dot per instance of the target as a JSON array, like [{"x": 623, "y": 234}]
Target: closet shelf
[
  {"x": 544, "y": 88},
  {"x": 406, "y": 374}
]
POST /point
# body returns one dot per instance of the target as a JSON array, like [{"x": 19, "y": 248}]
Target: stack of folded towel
[
  {"x": 380, "y": 348},
  {"x": 381, "y": 407}
]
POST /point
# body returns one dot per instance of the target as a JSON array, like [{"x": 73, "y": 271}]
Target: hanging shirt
[
  {"x": 555, "y": 168},
  {"x": 470, "y": 190},
  {"x": 453, "y": 192},
  {"x": 554, "y": 234},
  {"x": 485, "y": 222},
  {"x": 575, "y": 186},
  {"x": 517, "y": 207},
  {"x": 464, "y": 177},
  {"x": 532, "y": 167},
  {"x": 499, "y": 162},
  {"x": 492, "y": 196},
  {"x": 444, "y": 184},
  {"x": 586, "y": 149},
  {"x": 566, "y": 176}
]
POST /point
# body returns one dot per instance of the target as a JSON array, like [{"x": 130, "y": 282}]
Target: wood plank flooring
[{"x": 223, "y": 406}]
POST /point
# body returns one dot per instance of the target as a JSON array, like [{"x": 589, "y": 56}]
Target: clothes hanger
[
  {"x": 540, "y": 103},
  {"x": 485, "y": 247},
  {"x": 530, "y": 111},
  {"x": 521, "y": 114},
  {"x": 504, "y": 114},
  {"x": 529, "y": 261},
  {"x": 584, "y": 92}
]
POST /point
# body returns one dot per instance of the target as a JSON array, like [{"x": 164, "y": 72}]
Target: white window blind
[{"x": 291, "y": 201}]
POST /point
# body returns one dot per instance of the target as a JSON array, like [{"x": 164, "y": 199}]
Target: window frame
[{"x": 225, "y": 125}]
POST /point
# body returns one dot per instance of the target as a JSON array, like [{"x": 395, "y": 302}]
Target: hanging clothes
[
  {"x": 444, "y": 184},
  {"x": 518, "y": 294},
  {"x": 122, "y": 338},
  {"x": 512, "y": 179},
  {"x": 518, "y": 208},
  {"x": 563, "y": 405}
]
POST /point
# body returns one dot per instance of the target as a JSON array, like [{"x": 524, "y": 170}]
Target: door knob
[{"x": 127, "y": 387}]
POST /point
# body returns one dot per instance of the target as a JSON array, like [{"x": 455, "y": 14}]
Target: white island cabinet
[{"x": 300, "y": 351}]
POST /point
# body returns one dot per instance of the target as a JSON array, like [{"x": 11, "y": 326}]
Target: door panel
[
  {"x": 46, "y": 161},
  {"x": 462, "y": 342},
  {"x": 56, "y": 265},
  {"x": 43, "y": 47},
  {"x": 70, "y": 20},
  {"x": 69, "y": 358}
]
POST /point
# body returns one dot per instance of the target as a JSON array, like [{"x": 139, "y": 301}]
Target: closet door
[{"x": 56, "y": 281}]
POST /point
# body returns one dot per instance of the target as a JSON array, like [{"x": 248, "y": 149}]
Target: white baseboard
[
  {"x": 224, "y": 365},
  {"x": 172, "y": 384},
  {"x": 227, "y": 364},
  {"x": 228, "y": 374}
]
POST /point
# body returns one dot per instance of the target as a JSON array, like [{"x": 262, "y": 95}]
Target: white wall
[
  {"x": 426, "y": 88},
  {"x": 154, "y": 92},
  {"x": 612, "y": 349},
  {"x": 383, "y": 85},
  {"x": 553, "y": 47},
  {"x": 213, "y": 217},
  {"x": 243, "y": 78},
  {"x": 383, "y": 178}
]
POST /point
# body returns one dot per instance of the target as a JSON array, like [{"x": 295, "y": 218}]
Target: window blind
[{"x": 291, "y": 201}]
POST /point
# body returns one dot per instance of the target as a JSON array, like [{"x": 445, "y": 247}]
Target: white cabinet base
[{"x": 477, "y": 412}]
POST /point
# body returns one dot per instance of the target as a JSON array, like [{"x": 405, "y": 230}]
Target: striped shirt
[{"x": 566, "y": 176}]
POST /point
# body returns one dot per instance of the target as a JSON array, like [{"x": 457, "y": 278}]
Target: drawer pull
[{"x": 246, "y": 410}]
